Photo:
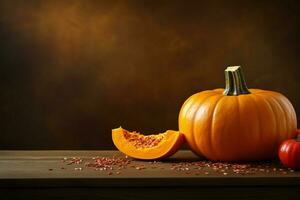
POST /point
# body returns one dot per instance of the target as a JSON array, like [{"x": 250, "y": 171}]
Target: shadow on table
[{"x": 185, "y": 156}]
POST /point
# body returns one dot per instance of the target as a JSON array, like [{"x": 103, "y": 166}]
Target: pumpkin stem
[
  {"x": 298, "y": 138},
  {"x": 235, "y": 82}
]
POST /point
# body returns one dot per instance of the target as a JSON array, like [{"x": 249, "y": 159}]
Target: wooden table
[{"x": 46, "y": 175}]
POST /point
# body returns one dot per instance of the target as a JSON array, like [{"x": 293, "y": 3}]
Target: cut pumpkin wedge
[{"x": 147, "y": 147}]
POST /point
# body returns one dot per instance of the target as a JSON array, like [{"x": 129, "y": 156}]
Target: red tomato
[{"x": 289, "y": 152}]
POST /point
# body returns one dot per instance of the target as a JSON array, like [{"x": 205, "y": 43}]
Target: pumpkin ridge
[
  {"x": 191, "y": 98},
  {"x": 291, "y": 127},
  {"x": 284, "y": 100},
  {"x": 211, "y": 124},
  {"x": 188, "y": 101},
  {"x": 280, "y": 109},
  {"x": 292, "y": 111},
  {"x": 270, "y": 109},
  {"x": 258, "y": 116},
  {"x": 274, "y": 114},
  {"x": 196, "y": 139},
  {"x": 283, "y": 110},
  {"x": 191, "y": 104},
  {"x": 238, "y": 109},
  {"x": 193, "y": 119}
]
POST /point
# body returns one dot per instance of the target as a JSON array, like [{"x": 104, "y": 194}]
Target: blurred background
[{"x": 70, "y": 71}]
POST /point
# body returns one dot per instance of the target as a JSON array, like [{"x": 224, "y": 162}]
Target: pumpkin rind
[{"x": 238, "y": 127}]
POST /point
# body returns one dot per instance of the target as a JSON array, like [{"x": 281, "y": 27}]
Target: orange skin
[
  {"x": 246, "y": 127},
  {"x": 169, "y": 145}
]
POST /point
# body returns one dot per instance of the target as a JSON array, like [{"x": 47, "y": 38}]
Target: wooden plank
[{"x": 31, "y": 169}]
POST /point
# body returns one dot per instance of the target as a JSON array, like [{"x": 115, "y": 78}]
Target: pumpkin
[
  {"x": 147, "y": 147},
  {"x": 289, "y": 153},
  {"x": 237, "y": 123}
]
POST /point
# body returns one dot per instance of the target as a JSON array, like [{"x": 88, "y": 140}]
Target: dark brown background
[{"x": 72, "y": 70}]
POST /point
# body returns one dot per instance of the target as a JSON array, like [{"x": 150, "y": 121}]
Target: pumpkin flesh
[{"x": 147, "y": 147}]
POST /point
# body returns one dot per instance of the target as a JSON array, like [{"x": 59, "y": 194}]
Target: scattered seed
[{"x": 198, "y": 167}]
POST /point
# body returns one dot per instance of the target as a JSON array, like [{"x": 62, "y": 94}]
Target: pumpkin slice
[{"x": 147, "y": 147}]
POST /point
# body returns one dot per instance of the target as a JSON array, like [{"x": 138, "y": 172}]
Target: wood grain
[{"x": 26, "y": 174}]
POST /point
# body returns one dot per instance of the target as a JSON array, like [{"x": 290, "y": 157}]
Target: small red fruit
[{"x": 289, "y": 152}]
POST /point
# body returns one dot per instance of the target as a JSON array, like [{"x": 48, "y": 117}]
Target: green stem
[
  {"x": 298, "y": 138},
  {"x": 235, "y": 82}
]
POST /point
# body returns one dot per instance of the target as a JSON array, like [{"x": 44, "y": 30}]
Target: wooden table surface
[{"x": 44, "y": 171}]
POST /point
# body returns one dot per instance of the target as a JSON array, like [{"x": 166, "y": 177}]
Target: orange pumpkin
[
  {"x": 237, "y": 124},
  {"x": 147, "y": 147}
]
